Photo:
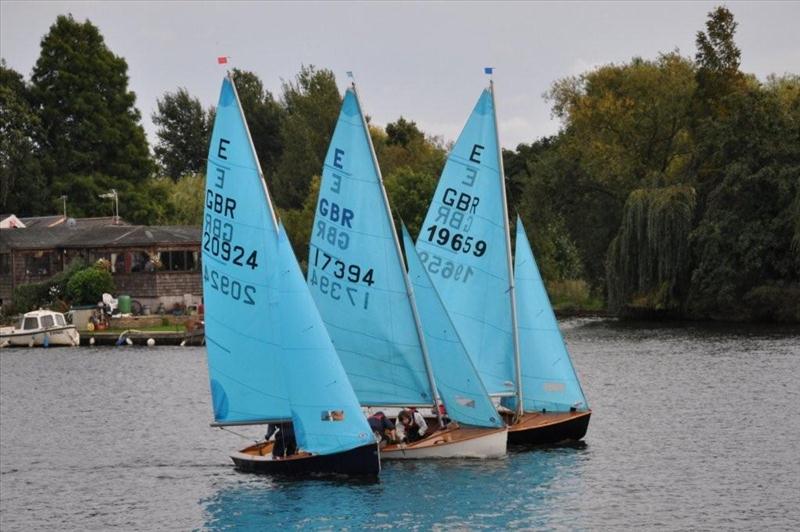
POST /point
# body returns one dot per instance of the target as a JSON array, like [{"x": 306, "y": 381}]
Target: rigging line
[{"x": 238, "y": 434}]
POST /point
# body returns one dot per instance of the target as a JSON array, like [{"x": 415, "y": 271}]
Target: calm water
[{"x": 693, "y": 428}]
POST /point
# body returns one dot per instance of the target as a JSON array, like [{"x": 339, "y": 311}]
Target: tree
[
  {"x": 22, "y": 185},
  {"x": 312, "y": 105},
  {"x": 185, "y": 201},
  {"x": 183, "y": 134},
  {"x": 265, "y": 118},
  {"x": 91, "y": 131}
]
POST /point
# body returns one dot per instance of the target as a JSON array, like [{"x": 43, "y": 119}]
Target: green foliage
[
  {"x": 648, "y": 260},
  {"x": 410, "y": 193},
  {"x": 265, "y": 118},
  {"x": 87, "y": 286},
  {"x": 183, "y": 134},
  {"x": 183, "y": 200},
  {"x": 31, "y": 296},
  {"x": 22, "y": 184},
  {"x": 92, "y": 138},
  {"x": 312, "y": 104}
]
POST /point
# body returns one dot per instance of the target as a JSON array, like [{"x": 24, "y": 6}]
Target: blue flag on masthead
[{"x": 488, "y": 70}]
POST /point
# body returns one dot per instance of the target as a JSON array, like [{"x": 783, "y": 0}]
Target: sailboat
[
  {"x": 358, "y": 279},
  {"x": 465, "y": 245},
  {"x": 270, "y": 359}
]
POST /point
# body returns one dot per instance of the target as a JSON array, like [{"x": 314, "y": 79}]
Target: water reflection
[{"x": 521, "y": 490}]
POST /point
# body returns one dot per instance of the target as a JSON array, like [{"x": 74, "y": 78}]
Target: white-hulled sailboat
[
  {"x": 507, "y": 327},
  {"x": 358, "y": 279},
  {"x": 270, "y": 359}
]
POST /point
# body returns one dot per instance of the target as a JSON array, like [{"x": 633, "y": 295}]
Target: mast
[
  {"x": 406, "y": 280},
  {"x": 515, "y": 329},
  {"x": 272, "y": 210}
]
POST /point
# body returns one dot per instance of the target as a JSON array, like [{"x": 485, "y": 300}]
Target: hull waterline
[
  {"x": 452, "y": 442},
  {"x": 361, "y": 461},
  {"x": 537, "y": 428}
]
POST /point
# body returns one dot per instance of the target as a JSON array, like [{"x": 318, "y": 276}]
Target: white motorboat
[{"x": 40, "y": 328}]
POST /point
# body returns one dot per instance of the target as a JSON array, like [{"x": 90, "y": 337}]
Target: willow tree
[{"x": 648, "y": 260}]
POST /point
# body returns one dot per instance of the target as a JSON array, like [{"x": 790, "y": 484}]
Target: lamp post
[
  {"x": 110, "y": 195},
  {"x": 64, "y": 200}
]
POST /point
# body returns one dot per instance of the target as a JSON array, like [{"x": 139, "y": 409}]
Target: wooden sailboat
[
  {"x": 270, "y": 358},
  {"x": 465, "y": 245},
  {"x": 358, "y": 279}
]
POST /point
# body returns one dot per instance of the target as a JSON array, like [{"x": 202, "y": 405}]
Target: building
[{"x": 153, "y": 264}]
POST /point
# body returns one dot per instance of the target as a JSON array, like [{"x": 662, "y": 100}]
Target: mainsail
[
  {"x": 356, "y": 274},
  {"x": 239, "y": 242},
  {"x": 463, "y": 245},
  {"x": 457, "y": 379},
  {"x": 548, "y": 376},
  {"x": 269, "y": 355}
]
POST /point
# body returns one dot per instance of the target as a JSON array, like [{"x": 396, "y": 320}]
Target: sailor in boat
[
  {"x": 411, "y": 426},
  {"x": 285, "y": 441},
  {"x": 383, "y": 428}
]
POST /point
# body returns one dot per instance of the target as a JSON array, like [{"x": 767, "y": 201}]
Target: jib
[
  {"x": 463, "y": 202},
  {"x": 334, "y": 213},
  {"x": 220, "y": 204}
]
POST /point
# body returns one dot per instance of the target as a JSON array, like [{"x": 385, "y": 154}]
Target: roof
[
  {"x": 59, "y": 219},
  {"x": 88, "y": 236}
]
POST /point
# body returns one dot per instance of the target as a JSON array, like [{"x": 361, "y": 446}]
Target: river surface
[{"x": 694, "y": 428}]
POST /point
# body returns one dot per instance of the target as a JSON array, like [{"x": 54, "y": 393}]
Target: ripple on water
[{"x": 693, "y": 428}]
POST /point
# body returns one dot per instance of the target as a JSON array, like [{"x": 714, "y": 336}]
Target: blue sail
[
  {"x": 549, "y": 379},
  {"x": 356, "y": 275},
  {"x": 239, "y": 242},
  {"x": 457, "y": 379},
  {"x": 463, "y": 247},
  {"x": 326, "y": 414}
]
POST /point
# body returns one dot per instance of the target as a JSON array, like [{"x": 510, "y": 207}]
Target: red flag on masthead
[{"x": 222, "y": 60}]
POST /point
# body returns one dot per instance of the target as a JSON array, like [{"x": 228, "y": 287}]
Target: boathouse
[{"x": 153, "y": 264}]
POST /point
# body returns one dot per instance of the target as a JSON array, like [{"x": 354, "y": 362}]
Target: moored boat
[
  {"x": 41, "y": 328},
  {"x": 270, "y": 359}
]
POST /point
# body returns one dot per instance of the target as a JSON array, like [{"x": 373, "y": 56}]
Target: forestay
[
  {"x": 463, "y": 247},
  {"x": 356, "y": 275},
  {"x": 457, "y": 379},
  {"x": 239, "y": 241},
  {"x": 548, "y": 377},
  {"x": 326, "y": 415}
]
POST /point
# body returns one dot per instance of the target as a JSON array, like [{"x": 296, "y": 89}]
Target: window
[
  {"x": 5, "y": 264},
  {"x": 47, "y": 322},
  {"x": 38, "y": 263},
  {"x": 179, "y": 260},
  {"x": 60, "y": 320},
  {"x": 31, "y": 323}
]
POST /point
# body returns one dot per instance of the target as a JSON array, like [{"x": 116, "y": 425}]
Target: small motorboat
[{"x": 40, "y": 328}]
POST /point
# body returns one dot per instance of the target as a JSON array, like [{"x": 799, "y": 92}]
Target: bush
[
  {"x": 31, "y": 296},
  {"x": 87, "y": 286}
]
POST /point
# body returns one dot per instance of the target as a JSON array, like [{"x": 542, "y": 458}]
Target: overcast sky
[{"x": 420, "y": 60}]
